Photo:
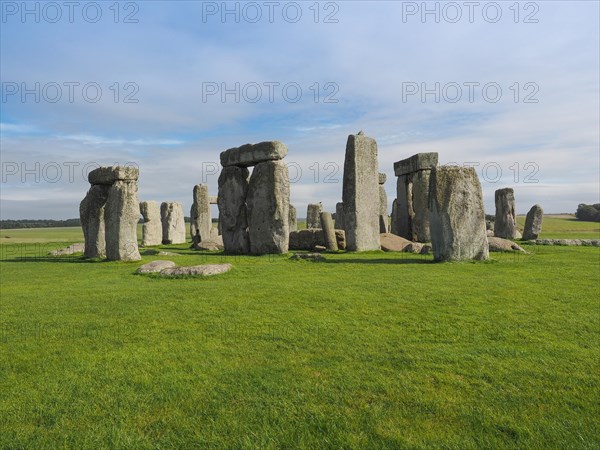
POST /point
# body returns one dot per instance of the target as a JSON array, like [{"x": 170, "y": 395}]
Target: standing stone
[
  {"x": 339, "y": 216},
  {"x": 395, "y": 229},
  {"x": 293, "y": 221},
  {"x": 360, "y": 194},
  {"x": 233, "y": 214},
  {"x": 533, "y": 223},
  {"x": 313, "y": 215},
  {"x": 268, "y": 208},
  {"x": 200, "y": 220},
  {"x": 383, "y": 213},
  {"x": 151, "y": 227},
  {"x": 328, "y": 231},
  {"x": 121, "y": 216},
  {"x": 412, "y": 190},
  {"x": 505, "y": 224},
  {"x": 173, "y": 223},
  {"x": 91, "y": 213},
  {"x": 457, "y": 218}
]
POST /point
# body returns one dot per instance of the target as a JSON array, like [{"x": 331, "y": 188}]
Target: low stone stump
[
  {"x": 205, "y": 270},
  {"x": 155, "y": 266}
]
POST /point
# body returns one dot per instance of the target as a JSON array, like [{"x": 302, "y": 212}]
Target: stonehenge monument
[
  {"x": 411, "y": 220},
  {"x": 313, "y": 215},
  {"x": 152, "y": 226},
  {"x": 293, "y": 220},
  {"x": 505, "y": 224},
  {"x": 457, "y": 218},
  {"x": 360, "y": 193},
  {"x": 254, "y": 211},
  {"x": 533, "y": 223},
  {"x": 109, "y": 214},
  {"x": 383, "y": 211},
  {"x": 394, "y": 228},
  {"x": 173, "y": 224},
  {"x": 200, "y": 220}
]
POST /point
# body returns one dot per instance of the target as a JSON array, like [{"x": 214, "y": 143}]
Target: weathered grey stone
[
  {"x": 320, "y": 248},
  {"x": 339, "y": 216},
  {"x": 457, "y": 218},
  {"x": 503, "y": 245},
  {"x": 91, "y": 214},
  {"x": 268, "y": 208},
  {"x": 395, "y": 226},
  {"x": 307, "y": 257},
  {"x": 233, "y": 213},
  {"x": 173, "y": 224},
  {"x": 212, "y": 245},
  {"x": 252, "y": 154},
  {"x": 420, "y": 161},
  {"x": 309, "y": 239},
  {"x": 404, "y": 210},
  {"x": 383, "y": 212},
  {"x": 205, "y": 270},
  {"x": 155, "y": 266},
  {"x": 121, "y": 216},
  {"x": 313, "y": 215},
  {"x": 392, "y": 243},
  {"x": 382, "y": 178},
  {"x": 200, "y": 220},
  {"x": 109, "y": 175},
  {"x": 71, "y": 249},
  {"x": 293, "y": 220},
  {"x": 152, "y": 226},
  {"x": 213, "y": 199},
  {"x": 328, "y": 231},
  {"x": 360, "y": 189},
  {"x": 533, "y": 223},
  {"x": 505, "y": 223}
]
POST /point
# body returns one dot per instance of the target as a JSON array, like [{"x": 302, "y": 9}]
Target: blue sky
[{"x": 372, "y": 59}]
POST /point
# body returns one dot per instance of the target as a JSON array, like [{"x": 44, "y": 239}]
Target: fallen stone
[
  {"x": 392, "y": 243},
  {"x": 155, "y": 266},
  {"x": 420, "y": 161},
  {"x": 163, "y": 253},
  {"x": 202, "y": 270},
  {"x": 320, "y": 248},
  {"x": 457, "y": 217},
  {"x": 71, "y": 249},
  {"x": 307, "y": 257},
  {"x": 489, "y": 233},
  {"x": 533, "y": 223},
  {"x": 497, "y": 244},
  {"x": 308, "y": 239},
  {"x": 209, "y": 245},
  {"x": 252, "y": 154}
]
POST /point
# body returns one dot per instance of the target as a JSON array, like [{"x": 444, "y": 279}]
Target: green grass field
[{"x": 374, "y": 350}]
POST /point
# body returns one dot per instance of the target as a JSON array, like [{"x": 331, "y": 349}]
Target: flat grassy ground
[{"x": 373, "y": 350}]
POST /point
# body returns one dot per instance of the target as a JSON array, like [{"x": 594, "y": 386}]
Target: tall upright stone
[
  {"x": 457, "y": 218},
  {"x": 151, "y": 226},
  {"x": 173, "y": 223},
  {"x": 91, "y": 214},
  {"x": 200, "y": 219},
  {"x": 110, "y": 213},
  {"x": 293, "y": 220},
  {"x": 268, "y": 203},
  {"x": 328, "y": 231},
  {"x": 313, "y": 215},
  {"x": 412, "y": 196},
  {"x": 395, "y": 225},
  {"x": 505, "y": 224},
  {"x": 383, "y": 211},
  {"x": 233, "y": 213},
  {"x": 533, "y": 223},
  {"x": 360, "y": 194},
  {"x": 339, "y": 216}
]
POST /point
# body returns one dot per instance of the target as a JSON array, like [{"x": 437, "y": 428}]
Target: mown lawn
[{"x": 373, "y": 350}]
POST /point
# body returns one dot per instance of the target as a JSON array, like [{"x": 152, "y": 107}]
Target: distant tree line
[
  {"x": 38, "y": 223},
  {"x": 589, "y": 213}
]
